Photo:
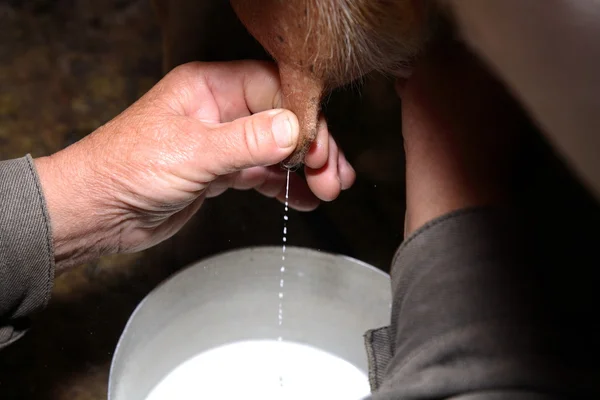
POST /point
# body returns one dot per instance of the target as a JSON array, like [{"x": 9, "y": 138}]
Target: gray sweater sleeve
[
  {"x": 26, "y": 248},
  {"x": 470, "y": 320}
]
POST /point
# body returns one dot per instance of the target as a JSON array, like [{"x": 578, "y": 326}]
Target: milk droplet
[{"x": 282, "y": 269}]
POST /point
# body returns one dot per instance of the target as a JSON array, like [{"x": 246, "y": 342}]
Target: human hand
[
  {"x": 460, "y": 131},
  {"x": 204, "y": 128}
]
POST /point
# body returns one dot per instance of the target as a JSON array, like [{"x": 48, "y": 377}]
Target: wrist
[{"x": 83, "y": 225}]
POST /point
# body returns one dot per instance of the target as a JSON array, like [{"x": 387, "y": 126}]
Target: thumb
[{"x": 261, "y": 139}]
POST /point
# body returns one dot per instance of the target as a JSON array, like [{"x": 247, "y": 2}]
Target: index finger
[{"x": 242, "y": 88}]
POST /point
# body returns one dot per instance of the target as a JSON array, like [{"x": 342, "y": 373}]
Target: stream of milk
[
  {"x": 267, "y": 369},
  {"x": 282, "y": 269}
]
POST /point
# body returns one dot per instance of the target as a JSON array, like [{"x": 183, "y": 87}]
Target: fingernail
[
  {"x": 340, "y": 166},
  {"x": 347, "y": 170},
  {"x": 277, "y": 100},
  {"x": 282, "y": 130}
]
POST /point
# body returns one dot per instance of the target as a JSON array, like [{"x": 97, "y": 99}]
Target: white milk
[
  {"x": 282, "y": 269},
  {"x": 253, "y": 369}
]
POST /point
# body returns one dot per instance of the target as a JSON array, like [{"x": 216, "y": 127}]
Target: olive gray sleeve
[
  {"x": 470, "y": 321},
  {"x": 26, "y": 249}
]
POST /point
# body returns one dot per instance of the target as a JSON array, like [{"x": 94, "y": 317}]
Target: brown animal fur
[{"x": 323, "y": 44}]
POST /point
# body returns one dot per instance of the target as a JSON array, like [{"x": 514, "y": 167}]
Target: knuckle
[
  {"x": 185, "y": 70},
  {"x": 183, "y": 76}
]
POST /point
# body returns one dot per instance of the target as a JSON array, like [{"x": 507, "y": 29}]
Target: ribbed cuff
[
  {"x": 26, "y": 248},
  {"x": 435, "y": 258}
]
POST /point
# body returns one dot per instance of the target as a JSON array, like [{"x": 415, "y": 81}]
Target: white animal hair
[{"x": 368, "y": 35}]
